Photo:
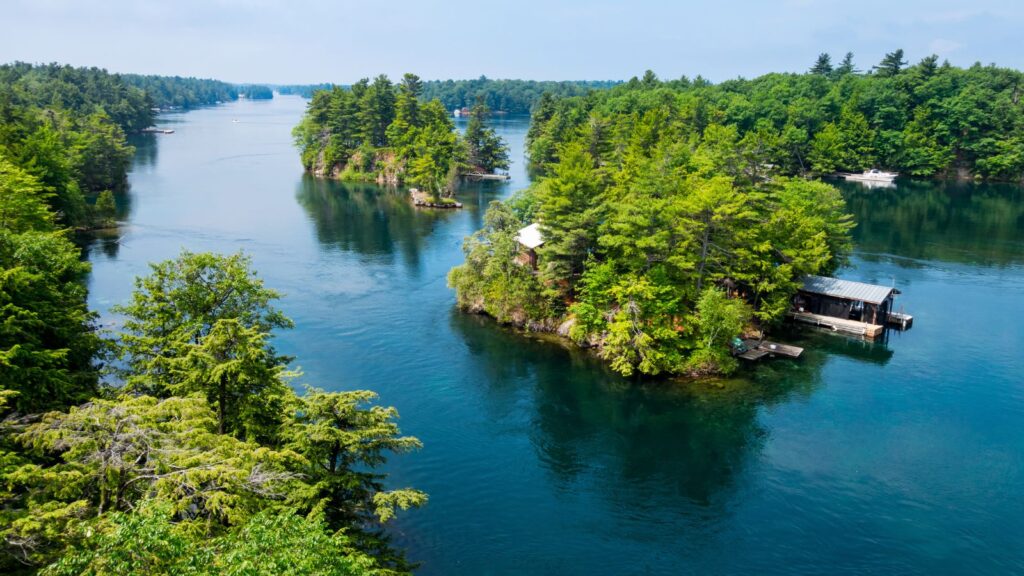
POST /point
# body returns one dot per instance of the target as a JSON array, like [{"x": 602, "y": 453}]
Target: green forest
[
  {"x": 171, "y": 92},
  {"x": 177, "y": 444},
  {"x": 382, "y": 132},
  {"x": 929, "y": 119},
  {"x": 62, "y": 130},
  {"x": 256, "y": 92},
  {"x": 505, "y": 96},
  {"x": 303, "y": 90}
]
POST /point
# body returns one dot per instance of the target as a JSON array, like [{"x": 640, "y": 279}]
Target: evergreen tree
[
  {"x": 184, "y": 301},
  {"x": 485, "y": 151},
  {"x": 846, "y": 66},
  {"x": 823, "y": 65},
  {"x": 891, "y": 65}
]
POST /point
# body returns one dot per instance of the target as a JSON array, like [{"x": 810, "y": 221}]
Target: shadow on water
[
  {"x": 146, "y": 150},
  {"x": 961, "y": 222},
  {"x": 659, "y": 443},
  {"x": 367, "y": 219}
]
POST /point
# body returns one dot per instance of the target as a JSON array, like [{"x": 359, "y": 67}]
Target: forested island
[
  {"x": 177, "y": 444},
  {"x": 506, "y": 96},
  {"x": 670, "y": 217},
  {"x": 381, "y": 132},
  {"x": 256, "y": 92},
  {"x": 303, "y": 90},
  {"x": 176, "y": 92}
]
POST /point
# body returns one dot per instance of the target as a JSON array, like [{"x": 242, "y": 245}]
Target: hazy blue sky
[{"x": 310, "y": 41}]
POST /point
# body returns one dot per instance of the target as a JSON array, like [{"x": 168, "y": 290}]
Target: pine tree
[
  {"x": 891, "y": 65},
  {"x": 846, "y": 66},
  {"x": 823, "y": 65}
]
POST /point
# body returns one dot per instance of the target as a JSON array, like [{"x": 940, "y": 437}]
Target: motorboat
[{"x": 873, "y": 175}]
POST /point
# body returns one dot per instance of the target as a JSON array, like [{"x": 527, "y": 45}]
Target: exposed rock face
[{"x": 385, "y": 168}]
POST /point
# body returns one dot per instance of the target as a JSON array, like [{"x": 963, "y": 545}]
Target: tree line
[
  {"x": 169, "y": 92},
  {"x": 177, "y": 444},
  {"x": 381, "y": 131},
  {"x": 506, "y": 96},
  {"x": 256, "y": 92},
  {"x": 930, "y": 119}
]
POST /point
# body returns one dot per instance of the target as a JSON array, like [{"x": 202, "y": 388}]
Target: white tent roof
[{"x": 530, "y": 236}]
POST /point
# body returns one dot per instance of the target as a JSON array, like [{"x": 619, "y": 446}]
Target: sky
[{"x": 340, "y": 41}]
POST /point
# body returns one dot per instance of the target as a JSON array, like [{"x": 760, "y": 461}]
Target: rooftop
[
  {"x": 847, "y": 289},
  {"x": 530, "y": 236}
]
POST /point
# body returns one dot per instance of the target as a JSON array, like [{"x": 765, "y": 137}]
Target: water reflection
[
  {"x": 368, "y": 219},
  {"x": 948, "y": 221},
  {"x": 673, "y": 444},
  {"x": 145, "y": 150}
]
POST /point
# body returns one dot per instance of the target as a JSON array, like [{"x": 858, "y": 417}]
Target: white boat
[
  {"x": 873, "y": 175},
  {"x": 457, "y": 112}
]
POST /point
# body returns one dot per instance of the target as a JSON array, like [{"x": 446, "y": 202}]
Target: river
[{"x": 905, "y": 456}]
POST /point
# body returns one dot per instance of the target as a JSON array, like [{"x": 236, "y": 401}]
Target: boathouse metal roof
[
  {"x": 530, "y": 236},
  {"x": 847, "y": 289}
]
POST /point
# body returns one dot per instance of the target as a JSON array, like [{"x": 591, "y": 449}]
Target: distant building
[{"x": 530, "y": 239}]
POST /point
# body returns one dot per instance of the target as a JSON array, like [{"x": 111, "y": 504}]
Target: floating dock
[
  {"x": 758, "y": 349},
  {"x": 157, "y": 131},
  {"x": 870, "y": 331},
  {"x": 482, "y": 176},
  {"x": 901, "y": 320}
]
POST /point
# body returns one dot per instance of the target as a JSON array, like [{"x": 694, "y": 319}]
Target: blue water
[{"x": 902, "y": 457}]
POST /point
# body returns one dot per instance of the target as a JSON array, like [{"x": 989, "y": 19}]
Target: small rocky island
[
  {"x": 422, "y": 199},
  {"x": 385, "y": 133}
]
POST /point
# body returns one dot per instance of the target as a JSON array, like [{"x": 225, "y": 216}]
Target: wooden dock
[
  {"x": 482, "y": 176},
  {"x": 757, "y": 350},
  {"x": 870, "y": 331}
]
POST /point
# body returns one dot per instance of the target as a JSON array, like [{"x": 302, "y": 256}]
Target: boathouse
[
  {"x": 847, "y": 306},
  {"x": 529, "y": 238}
]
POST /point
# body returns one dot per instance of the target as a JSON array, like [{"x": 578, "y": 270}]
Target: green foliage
[
  {"x": 485, "y": 151},
  {"x": 218, "y": 472},
  {"x": 719, "y": 319},
  {"x": 892, "y": 64},
  {"x": 105, "y": 209},
  {"x": 508, "y": 96},
  {"x": 202, "y": 323},
  {"x": 111, "y": 455},
  {"x": 46, "y": 335},
  {"x": 386, "y": 133},
  {"x": 343, "y": 437},
  {"x": 927, "y": 119},
  {"x": 256, "y": 92},
  {"x": 270, "y": 543},
  {"x": 66, "y": 127},
  {"x": 491, "y": 280},
  {"x": 666, "y": 226},
  {"x": 177, "y": 92}
]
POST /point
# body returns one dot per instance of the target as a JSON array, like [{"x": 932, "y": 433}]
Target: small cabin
[
  {"x": 529, "y": 239},
  {"x": 847, "y": 306}
]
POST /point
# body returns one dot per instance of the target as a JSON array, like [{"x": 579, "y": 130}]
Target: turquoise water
[{"x": 900, "y": 457}]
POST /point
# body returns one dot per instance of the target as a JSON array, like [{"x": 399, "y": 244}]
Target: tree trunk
[{"x": 222, "y": 392}]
